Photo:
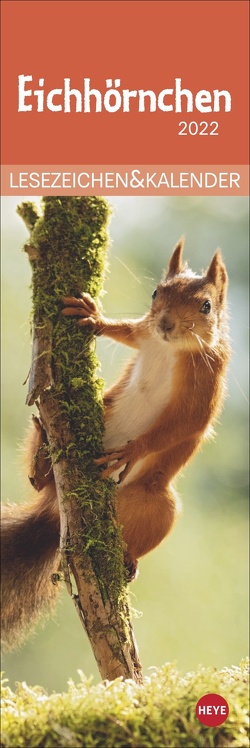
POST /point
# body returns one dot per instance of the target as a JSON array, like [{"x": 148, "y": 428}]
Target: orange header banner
[
  {"x": 125, "y": 82},
  {"x": 126, "y": 180}
]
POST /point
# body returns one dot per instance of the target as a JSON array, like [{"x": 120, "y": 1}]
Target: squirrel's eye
[
  {"x": 154, "y": 293},
  {"x": 206, "y": 307}
]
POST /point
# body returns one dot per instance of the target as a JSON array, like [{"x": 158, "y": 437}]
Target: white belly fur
[{"x": 143, "y": 399}]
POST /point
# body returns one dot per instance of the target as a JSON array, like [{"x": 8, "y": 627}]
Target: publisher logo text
[{"x": 212, "y": 710}]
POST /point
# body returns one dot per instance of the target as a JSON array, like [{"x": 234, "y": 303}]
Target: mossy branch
[{"x": 67, "y": 252}]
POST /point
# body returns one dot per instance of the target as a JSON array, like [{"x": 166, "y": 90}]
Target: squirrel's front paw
[
  {"x": 126, "y": 455},
  {"x": 85, "y": 308}
]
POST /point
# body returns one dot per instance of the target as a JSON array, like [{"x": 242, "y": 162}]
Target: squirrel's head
[{"x": 189, "y": 308}]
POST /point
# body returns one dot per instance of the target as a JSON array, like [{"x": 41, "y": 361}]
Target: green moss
[
  {"x": 123, "y": 714},
  {"x": 69, "y": 245}
]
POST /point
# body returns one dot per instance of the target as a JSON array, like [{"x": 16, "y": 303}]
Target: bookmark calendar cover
[{"x": 124, "y": 372}]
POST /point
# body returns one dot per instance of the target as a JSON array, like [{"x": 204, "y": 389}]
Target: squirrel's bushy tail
[{"x": 30, "y": 553}]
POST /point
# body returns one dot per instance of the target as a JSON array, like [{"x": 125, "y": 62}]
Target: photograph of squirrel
[{"x": 156, "y": 417}]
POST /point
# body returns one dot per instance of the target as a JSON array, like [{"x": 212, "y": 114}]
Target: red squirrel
[{"x": 156, "y": 417}]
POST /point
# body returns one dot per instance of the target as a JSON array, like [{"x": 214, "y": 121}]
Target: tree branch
[{"x": 67, "y": 250}]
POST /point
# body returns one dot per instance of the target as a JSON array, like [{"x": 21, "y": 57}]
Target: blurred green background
[{"x": 192, "y": 590}]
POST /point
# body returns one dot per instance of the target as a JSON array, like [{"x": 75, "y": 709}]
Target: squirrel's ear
[
  {"x": 217, "y": 275},
  {"x": 175, "y": 264}
]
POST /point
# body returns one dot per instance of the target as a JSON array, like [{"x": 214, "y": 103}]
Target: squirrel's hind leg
[{"x": 147, "y": 510}]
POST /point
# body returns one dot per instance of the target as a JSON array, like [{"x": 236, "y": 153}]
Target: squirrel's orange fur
[{"x": 156, "y": 417}]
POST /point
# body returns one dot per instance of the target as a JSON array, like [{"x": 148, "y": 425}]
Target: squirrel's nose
[{"x": 166, "y": 324}]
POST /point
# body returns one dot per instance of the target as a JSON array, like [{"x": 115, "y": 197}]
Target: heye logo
[{"x": 212, "y": 710}]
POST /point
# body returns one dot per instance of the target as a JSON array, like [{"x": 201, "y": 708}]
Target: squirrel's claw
[
  {"x": 83, "y": 307},
  {"x": 119, "y": 457},
  {"x": 84, "y": 300},
  {"x": 115, "y": 468},
  {"x": 110, "y": 454}
]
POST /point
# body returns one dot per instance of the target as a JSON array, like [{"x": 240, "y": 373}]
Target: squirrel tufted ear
[
  {"x": 217, "y": 275},
  {"x": 175, "y": 264}
]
